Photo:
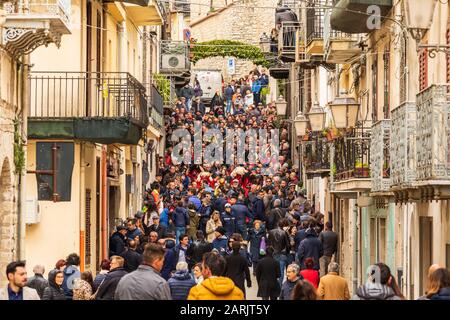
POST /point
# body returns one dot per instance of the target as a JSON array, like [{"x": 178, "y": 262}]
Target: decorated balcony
[
  {"x": 403, "y": 150},
  {"x": 432, "y": 143},
  {"x": 351, "y": 168},
  {"x": 28, "y": 25},
  {"x": 316, "y": 155},
  {"x": 102, "y": 107},
  {"x": 350, "y": 16},
  {"x": 380, "y": 156}
]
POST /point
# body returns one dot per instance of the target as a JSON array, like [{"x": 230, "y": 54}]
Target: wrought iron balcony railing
[
  {"x": 57, "y": 95},
  {"x": 315, "y": 21},
  {"x": 28, "y": 25},
  {"x": 352, "y": 155},
  {"x": 316, "y": 155},
  {"x": 288, "y": 38},
  {"x": 380, "y": 156}
]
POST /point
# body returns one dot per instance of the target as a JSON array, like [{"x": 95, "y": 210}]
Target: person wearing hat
[
  {"x": 157, "y": 227},
  {"x": 221, "y": 241},
  {"x": 228, "y": 220},
  {"x": 117, "y": 241}
]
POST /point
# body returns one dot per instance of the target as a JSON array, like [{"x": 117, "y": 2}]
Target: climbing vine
[
  {"x": 228, "y": 48},
  {"x": 163, "y": 86},
  {"x": 19, "y": 153}
]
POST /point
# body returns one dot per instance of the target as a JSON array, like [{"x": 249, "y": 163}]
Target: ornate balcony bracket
[{"x": 39, "y": 24}]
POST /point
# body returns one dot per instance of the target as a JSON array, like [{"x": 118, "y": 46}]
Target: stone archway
[{"x": 7, "y": 219}]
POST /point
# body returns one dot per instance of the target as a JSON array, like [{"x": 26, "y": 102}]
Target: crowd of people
[{"x": 206, "y": 228}]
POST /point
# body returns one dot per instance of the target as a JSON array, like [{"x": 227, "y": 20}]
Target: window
[
  {"x": 386, "y": 106},
  {"x": 402, "y": 71},
  {"x": 423, "y": 68},
  {"x": 374, "y": 89},
  {"x": 64, "y": 167}
]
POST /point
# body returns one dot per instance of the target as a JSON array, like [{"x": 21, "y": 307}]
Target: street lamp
[
  {"x": 317, "y": 117},
  {"x": 345, "y": 112},
  {"x": 419, "y": 15},
  {"x": 264, "y": 43},
  {"x": 281, "y": 105},
  {"x": 301, "y": 124}
]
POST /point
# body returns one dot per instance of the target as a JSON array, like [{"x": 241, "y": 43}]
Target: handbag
[{"x": 262, "y": 246}]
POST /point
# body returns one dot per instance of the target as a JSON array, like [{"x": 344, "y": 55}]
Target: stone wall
[
  {"x": 234, "y": 22},
  {"x": 8, "y": 194}
]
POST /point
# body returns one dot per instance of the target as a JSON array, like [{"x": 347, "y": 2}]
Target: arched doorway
[{"x": 7, "y": 219}]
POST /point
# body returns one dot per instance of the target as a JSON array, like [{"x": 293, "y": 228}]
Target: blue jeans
[
  {"x": 188, "y": 104},
  {"x": 180, "y": 231},
  {"x": 282, "y": 260},
  {"x": 229, "y": 103}
]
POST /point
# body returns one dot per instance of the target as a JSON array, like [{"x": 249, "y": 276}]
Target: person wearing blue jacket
[
  {"x": 228, "y": 221},
  {"x": 221, "y": 241},
  {"x": 170, "y": 260},
  {"x": 240, "y": 211},
  {"x": 258, "y": 206},
  {"x": 229, "y": 91},
  {"x": 256, "y": 89},
  {"x": 310, "y": 247},
  {"x": 180, "y": 220},
  {"x": 192, "y": 193},
  {"x": 181, "y": 282}
]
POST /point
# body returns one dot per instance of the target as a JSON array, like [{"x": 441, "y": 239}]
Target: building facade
[{"x": 381, "y": 180}]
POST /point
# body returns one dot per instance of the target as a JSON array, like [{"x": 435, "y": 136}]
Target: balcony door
[
  {"x": 425, "y": 249},
  {"x": 93, "y": 58}
]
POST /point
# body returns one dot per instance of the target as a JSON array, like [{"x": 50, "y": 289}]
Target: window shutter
[
  {"x": 423, "y": 69},
  {"x": 88, "y": 228},
  {"x": 448, "y": 55}
]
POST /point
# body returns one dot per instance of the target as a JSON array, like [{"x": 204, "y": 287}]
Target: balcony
[
  {"x": 432, "y": 141},
  {"x": 345, "y": 15},
  {"x": 143, "y": 12},
  {"x": 380, "y": 156},
  {"x": 315, "y": 28},
  {"x": 403, "y": 150},
  {"x": 102, "y": 107},
  {"x": 30, "y": 25},
  {"x": 181, "y": 6},
  {"x": 352, "y": 161},
  {"x": 316, "y": 156},
  {"x": 339, "y": 47},
  {"x": 288, "y": 39}
]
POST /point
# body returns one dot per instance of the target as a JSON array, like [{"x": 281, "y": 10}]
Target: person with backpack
[{"x": 275, "y": 215}]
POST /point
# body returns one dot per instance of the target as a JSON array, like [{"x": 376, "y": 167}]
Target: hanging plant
[
  {"x": 228, "y": 48},
  {"x": 19, "y": 153}
]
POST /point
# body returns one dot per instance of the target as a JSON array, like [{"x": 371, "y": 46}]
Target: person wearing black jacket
[
  {"x": 131, "y": 257},
  {"x": 107, "y": 288},
  {"x": 267, "y": 274},
  {"x": 197, "y": 249},
  {"x": 279, "y": 240},
  {"x": 237, "y": 268},
  {"x": 54, "y": 291},
  {"x": 329, "y": 240},
  {"x": 158, "y": 228},
  {"x": 38, "y": 281},
  {"x": 117, "y": 241}
]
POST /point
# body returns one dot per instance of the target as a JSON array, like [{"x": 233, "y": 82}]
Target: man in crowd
[{"x": 17, "y": 281}]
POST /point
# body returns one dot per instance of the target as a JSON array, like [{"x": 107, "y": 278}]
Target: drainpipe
[
  {"x": 25, "y": 86},
  {"x": 104, "y": 226},
  {"x": 355, "y": 248}
]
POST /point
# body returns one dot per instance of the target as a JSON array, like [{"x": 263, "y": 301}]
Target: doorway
[
  {"x": 98, "y": 219},
  {"x": 425, "y": 249},
  {"x": 113, "y": 208}
]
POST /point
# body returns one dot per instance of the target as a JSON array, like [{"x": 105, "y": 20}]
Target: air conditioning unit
[
  {"x": 32, "y": 215},
  {"x": 173, "y": 62}
]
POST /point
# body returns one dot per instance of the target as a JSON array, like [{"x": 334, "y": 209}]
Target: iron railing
[
  {"x": 288, "y": 37},
  {"x": 59, "y": 8},
  {"x": 315, "y": 21},
  {"x": 317, "y": 154},
  {"x": 157, "y": 107},
  {"x": 352, "y": 155},
  {"x": 87, "y": 94},
  {"x": 183, "y": 6}
]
